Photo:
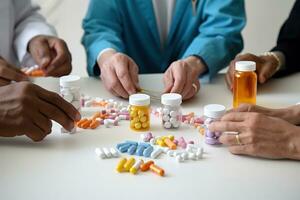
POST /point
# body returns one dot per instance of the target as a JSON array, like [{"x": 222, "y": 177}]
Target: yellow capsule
[
  {"x": 145, "y": 125},
  {"x": 129, "y": 164},
  {"x": 161, "y": 142},
  {"x": 143, "y": 119},
  {"x": 141, "y": 113},
  {"x": 171, "y": 137},
  {"x": 138, "y": 125},
  {"x": 120, "y": 166},
  {"x": 135, "y": 168}
]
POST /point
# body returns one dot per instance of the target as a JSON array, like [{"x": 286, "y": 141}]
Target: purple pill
[
  {"x": 210, "y": 134},
  {"x": 191, "y": 142},
  {"x": 175, "y": 141},
  {"x": 218, "y": 134},
  {"x": 211, "y": 141}
]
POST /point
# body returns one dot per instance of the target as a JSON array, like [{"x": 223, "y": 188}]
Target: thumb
[
  {"x": 134, "y": 74},
  {"x": 266, "y": 73},
  {"x": 41, "y": 52},
  {"x": 168, "y": 81}
]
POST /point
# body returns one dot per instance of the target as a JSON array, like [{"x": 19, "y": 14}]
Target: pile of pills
[
  {"x": 192, "y": 152},
  {"x": 106, "y": 153},
  {"x": 33, "y": 71},
  {"x": 212, "y": 112},
  {"x": 139, "y": 149},
  {"x": 139, "y": 112},
  {"x": 133, "y": 166},
  {"x": 171, "y": 111}
]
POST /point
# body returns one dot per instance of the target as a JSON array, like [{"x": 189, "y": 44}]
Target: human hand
[
  {"x": 119, "y": 74},
  {"x": 27, "y": 109},
  {"x": 259, "y": 135},
  {"x": 266, "y": 67},
  {"x": 10, "y": 73},
  {"x": 51, "y": 54},
  {"x": 182, "y": 77},
  {"x": 290, "y": 114}
]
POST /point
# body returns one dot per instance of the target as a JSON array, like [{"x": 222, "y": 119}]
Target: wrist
[
  {"x": 197, "y": 63},
  {"x": 104, "y": 56}
]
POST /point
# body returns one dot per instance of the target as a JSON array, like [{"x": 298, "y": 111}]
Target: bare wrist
[
  {"x": 104, "y": 56},
  {"x": 198, "y": 63}
]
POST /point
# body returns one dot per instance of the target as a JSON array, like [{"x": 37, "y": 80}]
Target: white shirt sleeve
[{"x": 29, "y": 23}]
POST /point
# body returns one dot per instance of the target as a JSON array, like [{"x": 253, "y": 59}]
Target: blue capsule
[
  {"x": 147, "y": 152},
  {"x": 131, "y": 150},
  {"x": 140, "y": 150}
]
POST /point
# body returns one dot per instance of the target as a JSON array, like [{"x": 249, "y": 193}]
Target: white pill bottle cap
[
  {"x": 214, "y": 111},
  {"x": 171, "y": 99},
  {"x": 69, "y": 81},
  {"x": 139, "y": 100},
  {"x": 245, "y": 66}
]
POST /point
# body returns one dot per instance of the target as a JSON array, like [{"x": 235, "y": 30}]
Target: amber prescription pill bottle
[
  {"x": 139, "y": 112},
  {"x": 244, "y": 83}
]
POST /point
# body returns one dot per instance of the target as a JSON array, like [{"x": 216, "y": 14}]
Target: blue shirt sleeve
[
  {"x": 219, "y": 38},
  {"x": 102, "y": 29}
]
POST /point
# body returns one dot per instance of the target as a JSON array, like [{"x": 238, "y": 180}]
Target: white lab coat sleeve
[{"x": 29, "y": 23}]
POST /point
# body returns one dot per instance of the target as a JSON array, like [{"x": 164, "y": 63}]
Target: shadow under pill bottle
[
  {"x": 212, "y": 113},
  {"x": 171, "y": 115},
  {"x": 139, "y": 112},
  {"x": 244, "y": 83}
]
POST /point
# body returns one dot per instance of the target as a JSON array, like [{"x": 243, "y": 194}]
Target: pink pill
[{"x": 175, "y": 141}]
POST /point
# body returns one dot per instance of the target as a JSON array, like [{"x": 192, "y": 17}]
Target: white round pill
[
  {"x": 179, "y": 158},
  {"x": 173, "y": 120},
  {"x": 166, "y": 111},
  {"x": 166, "y": 118},
  {"x": 173, "y": 113},
  {"x": 176, "y": 124},
  {"x": 167, "y": 125}
]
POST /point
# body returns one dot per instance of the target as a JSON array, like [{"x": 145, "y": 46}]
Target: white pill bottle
[
  {"x": 212, "y": 113},
  {"x": 70, "y": 91},
  {"x": 171, "y": 111}
]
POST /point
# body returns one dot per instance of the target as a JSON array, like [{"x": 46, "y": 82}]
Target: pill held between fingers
[
  {"x": 146, "y": 166},
  {"x": 130, "y": 162},
  {"x": 120, "y": 166},
  {"x": 100, "y": 153},
  {"x": 135, "y": 168},
  {"x": 154, "y": 168}
]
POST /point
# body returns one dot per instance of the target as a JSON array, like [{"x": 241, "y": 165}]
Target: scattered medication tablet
[
  {"x": 120, "y": 166},
  {"x": 146, "y": 166},
  {"x": 130, "y": 162},
  {"x": 154, "y": 168},
  {"x": 135, "y": 168}
]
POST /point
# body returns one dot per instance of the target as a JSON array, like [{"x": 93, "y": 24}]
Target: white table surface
[{"x": 65, "y": 166}]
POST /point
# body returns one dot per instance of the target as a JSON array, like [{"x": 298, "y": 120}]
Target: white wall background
[{"x": 265, "y": 18}]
